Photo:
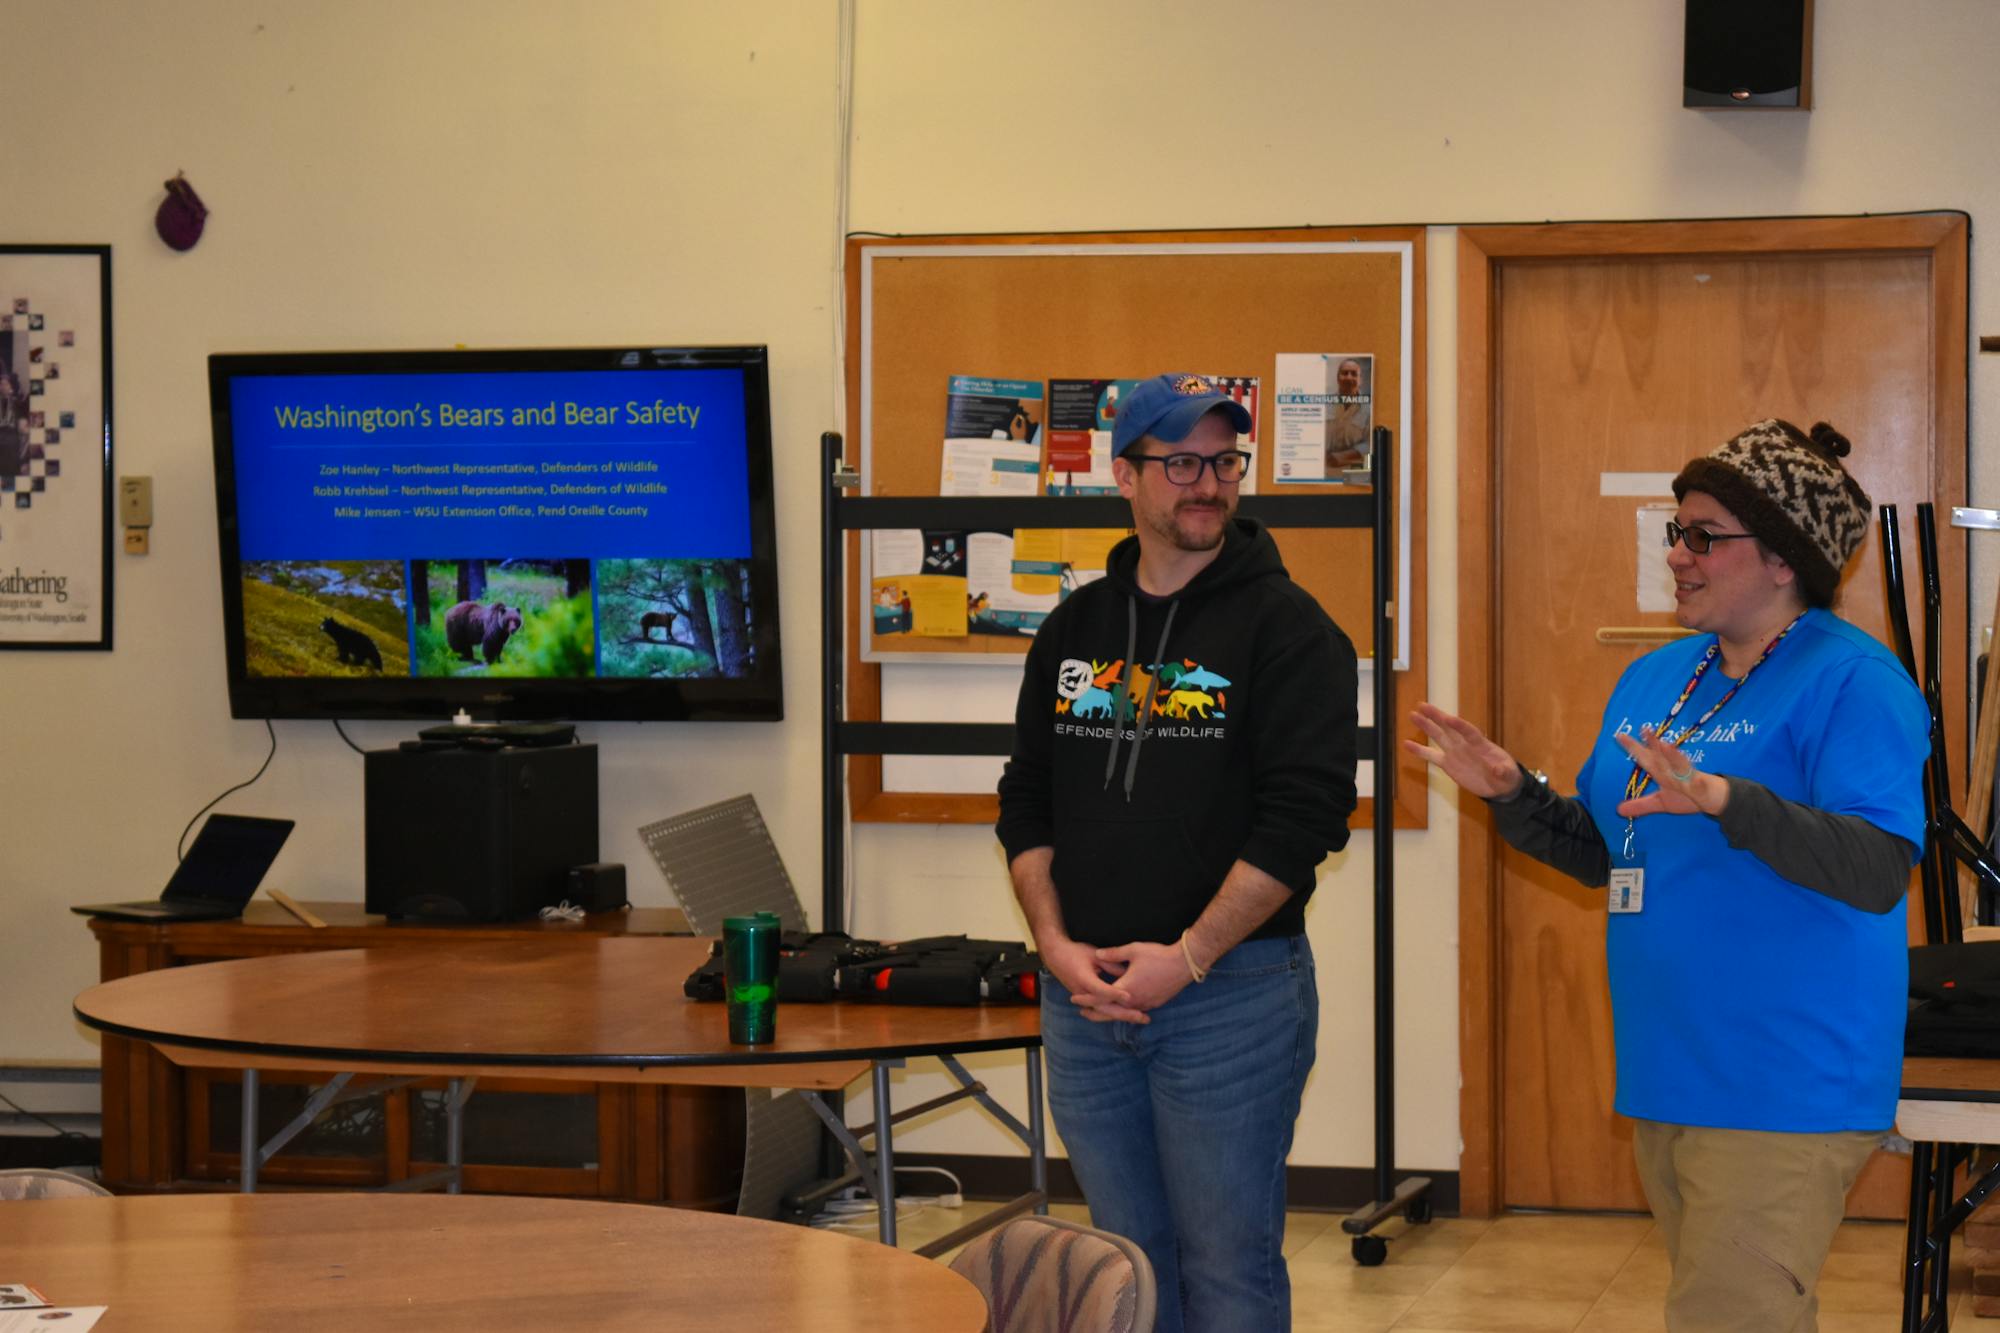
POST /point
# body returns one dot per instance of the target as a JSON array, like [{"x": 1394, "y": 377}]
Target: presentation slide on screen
[{"x": 550, "y": 524}]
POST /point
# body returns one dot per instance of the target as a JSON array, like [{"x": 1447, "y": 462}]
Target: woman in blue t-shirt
[{"x": 1753, "y": 805}]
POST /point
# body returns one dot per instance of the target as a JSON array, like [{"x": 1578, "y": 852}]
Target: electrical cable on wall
[
  {"x": 39, "y": 1118},
  {"x": 180, "y": 847},
  {"x": 843, "y": 91}
]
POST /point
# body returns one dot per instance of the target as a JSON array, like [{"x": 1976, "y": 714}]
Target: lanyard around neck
[{"x": 1636, "y": 784}]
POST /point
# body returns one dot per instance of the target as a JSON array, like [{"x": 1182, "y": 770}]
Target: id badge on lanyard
[
  {"x": 1627, "y": 890},
  {"x": 1626, "y": 893}
]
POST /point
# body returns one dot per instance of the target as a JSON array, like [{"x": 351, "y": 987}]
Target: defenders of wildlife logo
[{"x": 1108, "y": 692}]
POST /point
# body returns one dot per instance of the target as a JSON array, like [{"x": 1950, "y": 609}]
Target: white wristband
[{"x": 1195, "y": 970}]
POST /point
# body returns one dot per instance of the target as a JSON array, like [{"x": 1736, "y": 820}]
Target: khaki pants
[{"x": 1748, "y": 1217}]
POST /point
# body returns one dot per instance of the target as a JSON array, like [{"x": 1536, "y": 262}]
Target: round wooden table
[
  {"x": 607, "y": 1010},
  {"x": 610, "y": 1008},
  {"x": 215, "y": 1262}
]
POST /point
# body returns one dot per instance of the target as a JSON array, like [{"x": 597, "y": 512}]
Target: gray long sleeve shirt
[{"x": 1842, "y": 856}]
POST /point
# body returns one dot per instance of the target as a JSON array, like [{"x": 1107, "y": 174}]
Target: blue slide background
[{"x": 704, "y": 514}]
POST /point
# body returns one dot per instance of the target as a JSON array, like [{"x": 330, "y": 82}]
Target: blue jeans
[{"x": 1178, "y": 1129}]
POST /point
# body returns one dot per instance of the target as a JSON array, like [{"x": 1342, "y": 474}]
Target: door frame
[{"x": 1482, "y": 253}]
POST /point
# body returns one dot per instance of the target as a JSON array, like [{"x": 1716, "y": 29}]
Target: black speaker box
[
  {"x": 598, "y": 887},
  {"x": 476, "y": 834},
  {"x": 1748, "y": 53}
]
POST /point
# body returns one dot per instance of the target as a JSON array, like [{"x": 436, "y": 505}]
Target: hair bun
[{"x": 1831, "y": 440}]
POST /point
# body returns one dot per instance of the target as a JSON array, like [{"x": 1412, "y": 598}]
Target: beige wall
[{"x": 498, "y": 173}]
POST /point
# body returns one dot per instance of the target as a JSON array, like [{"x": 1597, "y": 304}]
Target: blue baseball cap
[{"x": 1166, "y": 408}]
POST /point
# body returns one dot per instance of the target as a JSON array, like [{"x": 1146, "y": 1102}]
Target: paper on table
[
  {"x": 73, "y": 1319},
  {"x": 69, "y": 1318},
  {"x": 26, "y": 1310}
]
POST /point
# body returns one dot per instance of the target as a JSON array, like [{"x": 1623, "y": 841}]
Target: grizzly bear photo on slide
[
  {"x": 518, "y": 616},
  {"x": 468, "y": 625}
]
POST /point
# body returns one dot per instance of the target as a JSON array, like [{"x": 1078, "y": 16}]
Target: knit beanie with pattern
[{"x": 1790, "y": 490}]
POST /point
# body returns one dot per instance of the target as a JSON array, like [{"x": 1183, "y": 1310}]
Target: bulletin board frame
[{"x": 920, "y": 309}]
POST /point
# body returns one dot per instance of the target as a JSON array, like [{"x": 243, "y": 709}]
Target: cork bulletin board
[{"x": 921, "y": 310}]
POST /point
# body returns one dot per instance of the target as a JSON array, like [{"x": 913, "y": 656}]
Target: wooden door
[{"x": 1626, "y": 364}]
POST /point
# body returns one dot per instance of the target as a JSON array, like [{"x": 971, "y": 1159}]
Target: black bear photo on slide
[
  {"x": 325, "y": 618},
  {"x": 504, "y": 617},
  {"x": 675, "y": 618}
]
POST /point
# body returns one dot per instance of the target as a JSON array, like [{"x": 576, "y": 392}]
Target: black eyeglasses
[
  {"x": 1700, "y": 539},
  {"x": 1185, "y": 469}
]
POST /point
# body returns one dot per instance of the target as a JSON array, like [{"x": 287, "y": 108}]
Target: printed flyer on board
[
  {"x": 992, "y": 437},
  {"x": 1326, "y": 417}
]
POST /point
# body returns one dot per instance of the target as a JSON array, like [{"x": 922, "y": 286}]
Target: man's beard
[{"x": 1169, "y": 527}]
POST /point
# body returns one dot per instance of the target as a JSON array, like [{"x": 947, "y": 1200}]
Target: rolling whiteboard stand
[
  {"x": 1410, "y": 1196},
  {"x": 841, "y": 514}
]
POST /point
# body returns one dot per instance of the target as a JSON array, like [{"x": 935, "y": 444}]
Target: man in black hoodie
[{"x": 1167, "y": 892}]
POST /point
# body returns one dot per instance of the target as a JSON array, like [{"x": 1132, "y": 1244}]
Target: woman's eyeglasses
[
  {"x": 1185, "y": 469},
  {"x": 1698, "y": 540}
]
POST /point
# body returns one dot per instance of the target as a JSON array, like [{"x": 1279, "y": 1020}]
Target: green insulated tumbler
[{"x": 750, "y": 972}]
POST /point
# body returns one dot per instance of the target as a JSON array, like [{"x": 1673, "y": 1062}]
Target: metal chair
[
  {"x": 37, "y": 1182},
  {"x": 1042, "y": 1274}
]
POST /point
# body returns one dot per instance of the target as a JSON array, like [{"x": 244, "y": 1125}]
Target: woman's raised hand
[
  {"x": 1680, "y": 788},
  {"x": 1464, "y": 753}
]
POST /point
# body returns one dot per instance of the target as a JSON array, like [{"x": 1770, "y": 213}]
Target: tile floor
[{"x": 1524, "y": 1271}]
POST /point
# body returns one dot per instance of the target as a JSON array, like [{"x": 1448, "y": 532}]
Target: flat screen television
[{"x": 568, "y": 534}]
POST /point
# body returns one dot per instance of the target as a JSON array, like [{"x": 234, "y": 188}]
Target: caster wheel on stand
[{"x": 1370, "y": 1251}]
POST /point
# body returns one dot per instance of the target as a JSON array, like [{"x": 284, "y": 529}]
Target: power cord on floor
[
  {"x": 952, "y": 1198},
  {"x": 861, "y": 1214},
  {"x": 855, "y": 1209}
]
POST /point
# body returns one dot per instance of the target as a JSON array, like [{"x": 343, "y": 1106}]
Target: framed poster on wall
[{"x": 55, "y": 446}]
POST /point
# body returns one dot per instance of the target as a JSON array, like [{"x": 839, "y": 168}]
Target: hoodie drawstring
[{"x": 1145, "y": 704}]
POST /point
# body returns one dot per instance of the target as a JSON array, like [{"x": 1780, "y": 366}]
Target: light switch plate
[{"x": 135, "y": 502}]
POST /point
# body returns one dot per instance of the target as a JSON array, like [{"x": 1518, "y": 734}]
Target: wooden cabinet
[{"x": 165, "y": 1127}]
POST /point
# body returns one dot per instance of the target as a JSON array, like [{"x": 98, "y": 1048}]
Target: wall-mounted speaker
[{"x": 1748, "y": 53}]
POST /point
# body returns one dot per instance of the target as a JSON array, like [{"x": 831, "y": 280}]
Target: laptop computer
[{"x": 216, "y": 879}]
